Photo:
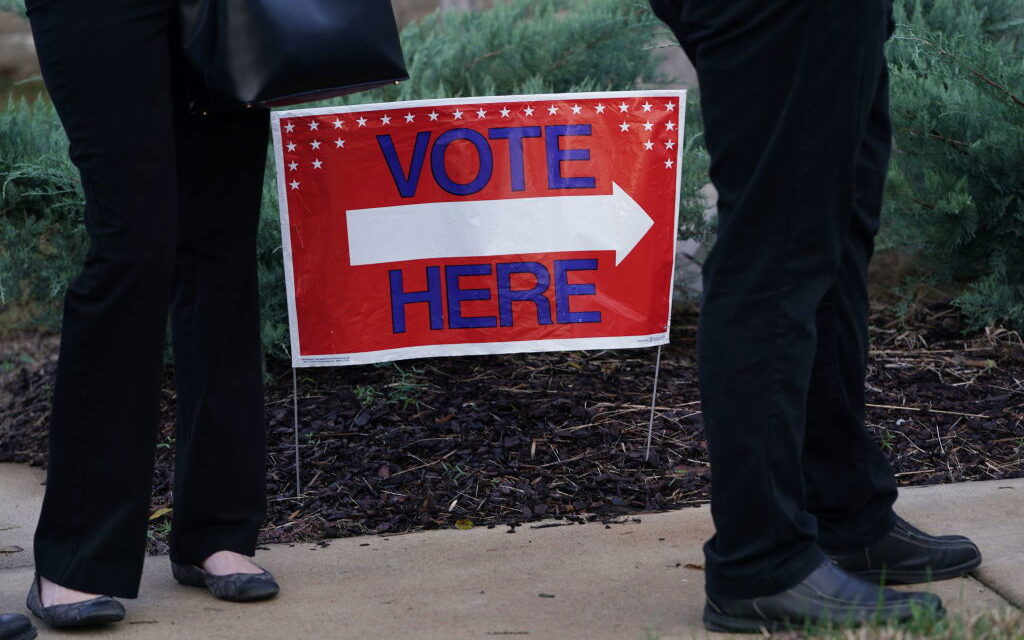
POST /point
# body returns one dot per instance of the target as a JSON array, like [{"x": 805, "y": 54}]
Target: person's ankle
[
  {"x": 52, "y": 594},
  {"x": 223, "y": 563}
]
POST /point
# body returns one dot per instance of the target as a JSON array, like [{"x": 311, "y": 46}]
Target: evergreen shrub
[{"x": 956, "y": 188}]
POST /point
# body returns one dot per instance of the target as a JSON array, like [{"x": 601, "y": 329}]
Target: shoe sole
[
  {"x": 195, "y": 580},
  {"x": 27, "y": 634},
  {"x": 92, "y": 621},
  {"x": 724, "y": 623},
  {"x": 254, "y": 598},
  {"x": 190, "y": 581},
  {"x": 919, "y": 577}
]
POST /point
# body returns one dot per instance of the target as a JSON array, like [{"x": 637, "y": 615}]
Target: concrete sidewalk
[
  {"x": 21, "y": 497},
  {"x": 635, "y": 580}
]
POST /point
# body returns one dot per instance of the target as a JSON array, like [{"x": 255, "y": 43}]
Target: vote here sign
[{"x": 479, "y": 225}]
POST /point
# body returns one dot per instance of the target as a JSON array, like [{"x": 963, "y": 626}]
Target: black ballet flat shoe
[
  {"x": 907, "y": 555},
  {"x": 16, "y": 627},
  {"x": 89, "y": 613},
  {"x": 236, "y": 587},
  {"x": 828, "y": 597}
]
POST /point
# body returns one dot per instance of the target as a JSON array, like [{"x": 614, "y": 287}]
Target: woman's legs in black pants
[
  {"x": 171, "y": 208},
  {"x": 220, "y": 474},
  {"x": 794, "y": 96}
]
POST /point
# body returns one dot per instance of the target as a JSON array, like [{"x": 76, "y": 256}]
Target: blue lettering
[
  {"x": 557, "y": 155},
  {"x": 453, "y": 295},
  {"x": 515, "y": 136},
  {"x": 400, "y": 298},
  {"x": 486, "y": 165},
  {"x": 564, "y": 290},
  {"x": 506, "y": 295},
  {"x": 457, "y": 296},
  {"x": 406, "y": 183}
]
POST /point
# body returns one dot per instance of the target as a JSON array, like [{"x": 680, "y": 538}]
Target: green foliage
[
  {"x": 956, "y": 190},
  {"x": 518, "y": 47},
  {"x": 694, "y": 221},
  {"x": 409, "y": 385},
  {"x": 41, "y": 200},
  {"x": 998, "y": 624},
  {"x": 530, "y": 46},
  {"x": 17, "y": 6},
  {"x": 1000, "y": 22}
]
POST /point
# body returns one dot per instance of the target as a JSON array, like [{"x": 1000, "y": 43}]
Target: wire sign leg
[
  {"x": 654, "y": 403},
  {"x": 295, "y": 399}
]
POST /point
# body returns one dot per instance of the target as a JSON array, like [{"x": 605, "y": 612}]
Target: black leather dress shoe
[
  {"x": 89, "y": 613},
  {"x": 237, "y": 587},
  {"x": 907, "y": 555},
  {"x": 16, "y": 627},
  {"x": 829, "y": 596}
]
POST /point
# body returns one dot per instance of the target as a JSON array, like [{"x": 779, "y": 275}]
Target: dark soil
[{"x": 506, "y": 440}]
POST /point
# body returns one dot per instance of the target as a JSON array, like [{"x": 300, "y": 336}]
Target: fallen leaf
[
  {"x": 159, "y": 513},
  {"x": 694, "y": 566},
  {"x": 464, "y": 525},
  {"x": 13, "y": 548}
]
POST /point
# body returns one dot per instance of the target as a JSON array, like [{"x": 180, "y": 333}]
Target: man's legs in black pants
[
  {"x": 850, "y": 484},
  {"x": 787, "y": 87},
  {"x": 795, "y": 98}
]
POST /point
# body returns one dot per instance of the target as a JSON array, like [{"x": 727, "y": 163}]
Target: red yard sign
[{"x": 479, "y": 225}]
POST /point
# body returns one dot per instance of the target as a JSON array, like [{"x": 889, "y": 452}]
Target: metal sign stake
[
  {"x": 295, "y": 399},
  {"x": 654, "y": 402}
]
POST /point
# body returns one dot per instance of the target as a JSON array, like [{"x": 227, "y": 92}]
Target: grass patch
[
  {"x": 1007, "y": 624},
  {"x": 997, "y": 625}
]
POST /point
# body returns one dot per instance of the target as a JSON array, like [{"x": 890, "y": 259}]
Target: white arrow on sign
[{"x": 497, "y": 227}]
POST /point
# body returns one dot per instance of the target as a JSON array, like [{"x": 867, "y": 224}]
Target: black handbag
[{"x": 241, "y": 53}]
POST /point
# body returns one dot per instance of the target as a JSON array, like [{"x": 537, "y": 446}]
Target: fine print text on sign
[{"x": 479, "y": 225}]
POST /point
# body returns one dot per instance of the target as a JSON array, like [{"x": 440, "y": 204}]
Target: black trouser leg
[
  {"x": 850, "y": 483},
  {"x": 107, "y": 65},
  {"x": 219, "y": 493},
  {"x": 787, "y": 87},
  {"x": 172, "y": 208}
]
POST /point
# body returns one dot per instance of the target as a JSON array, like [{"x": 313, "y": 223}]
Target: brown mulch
[{"x": 506, "y": 440}]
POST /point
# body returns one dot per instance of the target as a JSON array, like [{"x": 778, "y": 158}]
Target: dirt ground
[{"x": 510, "y": 439}]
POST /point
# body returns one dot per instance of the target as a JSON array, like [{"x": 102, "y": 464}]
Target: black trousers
[
  {"x": 172, "y": 207},
  {"x": 795, "y": 102}
]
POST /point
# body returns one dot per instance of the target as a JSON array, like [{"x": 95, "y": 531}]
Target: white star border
[{"x": 635, "y": 109}]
